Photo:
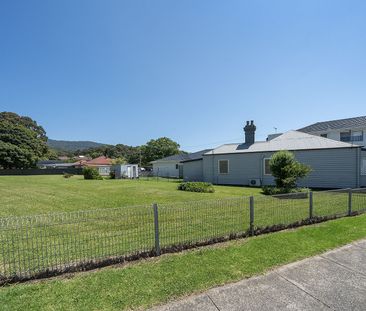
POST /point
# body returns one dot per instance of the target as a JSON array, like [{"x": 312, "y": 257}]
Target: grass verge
[{"x": 156, "y": 281}]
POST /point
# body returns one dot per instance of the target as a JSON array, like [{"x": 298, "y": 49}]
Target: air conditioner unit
[{"x": 254, "y": 182}]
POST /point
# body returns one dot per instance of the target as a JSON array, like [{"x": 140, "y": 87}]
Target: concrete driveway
[{"x": 335, "y": 280}]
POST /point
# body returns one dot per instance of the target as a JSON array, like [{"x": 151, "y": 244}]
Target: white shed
[{"x": 126, "y": 171}]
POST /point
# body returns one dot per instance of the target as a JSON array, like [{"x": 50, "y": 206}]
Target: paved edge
[{"x": 229, "y": 296}]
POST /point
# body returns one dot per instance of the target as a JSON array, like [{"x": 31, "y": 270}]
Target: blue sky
[{"x": 195, "y": 71}]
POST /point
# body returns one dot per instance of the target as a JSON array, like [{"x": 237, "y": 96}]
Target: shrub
[
  {"x": 272, "y": 190},
  {"x": 67, "y": 175},
  {"x": 112, "y": 175},
  {"x": 196, "y": 187},
  {"x": 286, "y": 170},
  {"x": 91, "y": 173}
]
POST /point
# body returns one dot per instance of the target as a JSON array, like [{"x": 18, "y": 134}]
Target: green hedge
[
  {"x": 196, "y": 187},
  {"x": 272, "y": 190}
]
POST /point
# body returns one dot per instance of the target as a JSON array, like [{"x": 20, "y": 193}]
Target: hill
[{"x": 68, "y": 145}]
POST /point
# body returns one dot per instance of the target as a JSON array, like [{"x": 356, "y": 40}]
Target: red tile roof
[{"x": 99, "y": 161}]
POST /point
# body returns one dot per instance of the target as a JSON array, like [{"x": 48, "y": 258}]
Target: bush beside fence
[{"x": 46, "y": 245}]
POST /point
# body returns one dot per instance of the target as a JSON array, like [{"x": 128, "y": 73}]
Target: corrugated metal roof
[
  {"x": 349, "y": 123},
  {"x": 196, "y": 155},
  {"x": 184, "y": 156},
  {"x": 176, "y": 157},
  {"x": 292, "y": 140}
]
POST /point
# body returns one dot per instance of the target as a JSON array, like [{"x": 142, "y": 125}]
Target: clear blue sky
[{"x": 195, "y": 71}]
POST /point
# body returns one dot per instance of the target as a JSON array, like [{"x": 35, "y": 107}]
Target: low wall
[{"x": 38, "y": 171}]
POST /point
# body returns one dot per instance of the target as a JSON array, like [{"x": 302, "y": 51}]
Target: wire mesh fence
[
  {"x": 359, "y": 200},
  {"x": 39, "y": 246},
  {"x": 58, "y": 242},
  {"x": 280, "y": 209},
  {"x": 333, "y": 202},
  {"x": 199, "y": 221}
]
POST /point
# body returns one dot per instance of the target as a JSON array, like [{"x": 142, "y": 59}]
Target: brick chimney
[{"x": 249, "y": 130}]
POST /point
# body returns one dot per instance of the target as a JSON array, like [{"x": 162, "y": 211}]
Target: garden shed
[{"x": 126, "y": 171}]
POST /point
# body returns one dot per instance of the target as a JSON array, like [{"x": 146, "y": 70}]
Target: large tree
[
  {"x": 159, "y": 148},
  {"x": 22, "y": 141}
]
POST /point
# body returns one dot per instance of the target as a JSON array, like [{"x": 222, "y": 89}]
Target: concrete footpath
[{"x": 335, "y": 280}]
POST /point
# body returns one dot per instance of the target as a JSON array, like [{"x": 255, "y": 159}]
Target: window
[
  {"x": 357, "y": 136},
  {"x": 223, "y": 166},
  {"x": 345, "y": 136},
  {"x": 267, "y": 168},
  {"x": 325, "y": 135},
  {"x": 104, "y": 170},
  {"x": 363, "y": 167},
  {"x": 176, "y": 166}
]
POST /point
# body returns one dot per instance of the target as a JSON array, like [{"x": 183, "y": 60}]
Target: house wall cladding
[
  {"x": 331, "y": 168},
  {"x": 166, "y": 169},
  {"x": 363, "y": 177},
  {"x": 363, "y": 181},
  {"x": 193, "y": 170},
  {"x": 242, "y": 167}
]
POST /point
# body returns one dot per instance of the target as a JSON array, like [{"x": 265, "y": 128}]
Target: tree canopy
[
  {"x": 22, "y": 141},
  {"x": 159, "y": 148},
  {"x": 286, "y": 170},
  {"x": 152, "y": 150}
]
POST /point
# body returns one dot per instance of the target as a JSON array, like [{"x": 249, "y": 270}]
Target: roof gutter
[
  {"x": 200, "y": 159},
  {"x": 263, "y": 151}
]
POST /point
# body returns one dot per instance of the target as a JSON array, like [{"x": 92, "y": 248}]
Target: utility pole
[{"x": 140, "y": 155}]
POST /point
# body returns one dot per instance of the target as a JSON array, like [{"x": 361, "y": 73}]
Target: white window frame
[
  {"x": 363, "y": 167},
  {"x": 228, "y": 166},
  {"x": 264, "y": 167}
]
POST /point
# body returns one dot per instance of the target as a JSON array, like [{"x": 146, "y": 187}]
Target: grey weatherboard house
[
  {"x": 352, "y": 130},
  {"x": 334, "y": 164},
  {"x": 172, "y": 166}
]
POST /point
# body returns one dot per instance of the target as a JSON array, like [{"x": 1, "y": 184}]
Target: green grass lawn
[
  {"x": 159, "y": 280},
  {"x": 30, "y": 195},
  {"x": 118, "y": 218}
]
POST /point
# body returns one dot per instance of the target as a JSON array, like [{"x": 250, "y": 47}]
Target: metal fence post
[
  {"x": 311, "y": 205},
  {"x": 156, "y": 227},
  {"x": 251, "y": 210},
  {"x": 349, "y": 202}
]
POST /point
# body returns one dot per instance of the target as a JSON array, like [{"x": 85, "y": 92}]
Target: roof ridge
[{"x": 345, "y": 123}]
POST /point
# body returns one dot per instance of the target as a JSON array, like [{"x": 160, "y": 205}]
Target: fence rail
[{"x": 45, "y": 245}]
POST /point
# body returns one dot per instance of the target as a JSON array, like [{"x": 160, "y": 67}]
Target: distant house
[
  {"x": 334, "y": 164},
  {"x": 169, "y": 166},
  {"x": 172, "y": 166},
  {"x": 351, "y": 130},
  {"x": 102, "y": 164},
  {"x": 49, "y": 164}
]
